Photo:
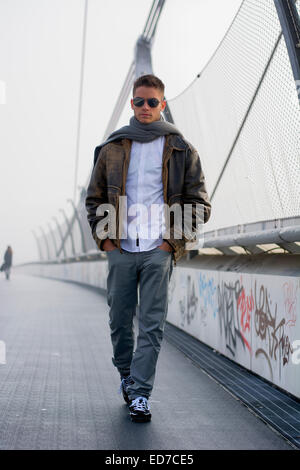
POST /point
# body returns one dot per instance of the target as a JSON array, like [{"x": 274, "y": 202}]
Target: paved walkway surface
[{"x": 58, "y": 388}]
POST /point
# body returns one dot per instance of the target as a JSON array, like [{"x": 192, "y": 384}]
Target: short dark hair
[{"x": 150, "y": 81}]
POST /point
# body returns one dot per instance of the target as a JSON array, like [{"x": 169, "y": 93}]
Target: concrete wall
[{"x": 249, "y": 316}]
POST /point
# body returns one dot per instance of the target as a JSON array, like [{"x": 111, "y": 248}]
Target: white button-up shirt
[{"x": 144, "y": 221}]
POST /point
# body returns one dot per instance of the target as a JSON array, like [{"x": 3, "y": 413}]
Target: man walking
[{"x": 150, "y": 165}]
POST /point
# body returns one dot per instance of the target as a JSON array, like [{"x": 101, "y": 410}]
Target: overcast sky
[{"x": 40, "y": 53}]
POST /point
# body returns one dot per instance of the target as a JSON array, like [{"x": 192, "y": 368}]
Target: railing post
[
  {"x": 61, "y": 236},
  {"x": 53, "y": 238},
  {"x": 38, "y": 245},
  {"x": 46, "y": 242},
  {"x": 69, "y": 230},
  {"x": 80, "y": 226}
]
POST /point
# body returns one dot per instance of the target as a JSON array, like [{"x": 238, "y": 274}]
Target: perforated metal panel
[{"x": 243, "y": 116}]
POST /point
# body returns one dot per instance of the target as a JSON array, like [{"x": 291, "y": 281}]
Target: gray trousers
[{"x": 151, "y": 270}]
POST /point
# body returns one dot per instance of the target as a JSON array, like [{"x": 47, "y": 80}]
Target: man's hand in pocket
[
  {"x": 166, "y": 247},
  {"x": 108, "y": 245}
]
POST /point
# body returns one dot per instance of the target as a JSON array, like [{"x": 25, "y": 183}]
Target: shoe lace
[{"x": 140, "y": 404}]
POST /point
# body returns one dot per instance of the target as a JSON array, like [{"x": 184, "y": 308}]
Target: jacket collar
[{"x": 176, "y": 142}]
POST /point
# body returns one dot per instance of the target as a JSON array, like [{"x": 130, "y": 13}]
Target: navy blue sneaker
[
  {"x": 125, "y": 381},
  {"x": 139, "y": 410}
]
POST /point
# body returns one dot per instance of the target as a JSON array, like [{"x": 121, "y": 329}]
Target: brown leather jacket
[{"x": 182, "y": 177}]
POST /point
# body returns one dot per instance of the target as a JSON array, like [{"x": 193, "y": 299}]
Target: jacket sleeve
[
  {"x": 194, "y": 194},
  {"x": 97, "y": 195},
  {"x": 194, "y": 185}
]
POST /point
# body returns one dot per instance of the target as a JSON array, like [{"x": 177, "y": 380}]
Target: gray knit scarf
[{"x": 140, "y": 132}]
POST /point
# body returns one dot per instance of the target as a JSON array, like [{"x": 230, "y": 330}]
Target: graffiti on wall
[
  {"x": 270, "y": 328},
  {"x": 196, "y": 294},
  {"x": 290, "y": 302},
  {"x": 207, "y": 292},
  {"x": 234, "y": 308},
  {"x": 188, "y": 304},
  {"x": 255, "y": 318}
]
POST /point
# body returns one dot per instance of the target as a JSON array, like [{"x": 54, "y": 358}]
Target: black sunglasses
[{"x": 153, "y": 102}]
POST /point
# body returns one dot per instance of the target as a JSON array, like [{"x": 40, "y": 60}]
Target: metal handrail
[{"x": 237, "y": 237}]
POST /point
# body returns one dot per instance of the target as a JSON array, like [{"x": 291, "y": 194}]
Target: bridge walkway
[{"x": 58, "y": 387}]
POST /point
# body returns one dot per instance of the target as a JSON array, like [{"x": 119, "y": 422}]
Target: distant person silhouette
[{"x": 6, "y": 266}]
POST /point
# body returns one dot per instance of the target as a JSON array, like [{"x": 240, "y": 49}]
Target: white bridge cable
[
  {"x": 122, "y": 98},
  {"x": 78, "y": 134},
  {"x": 150, "y": 16},
  {"x": 152, "y": 20}
]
